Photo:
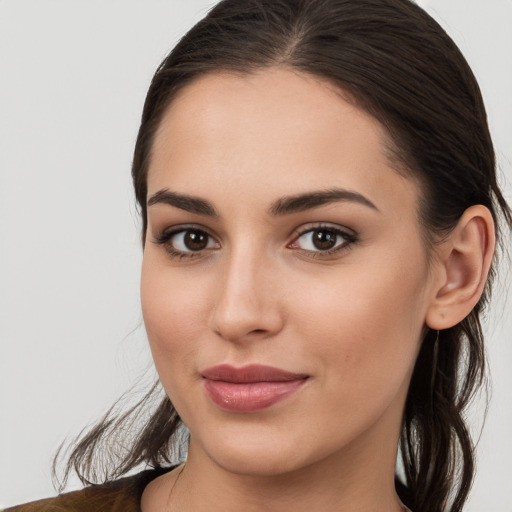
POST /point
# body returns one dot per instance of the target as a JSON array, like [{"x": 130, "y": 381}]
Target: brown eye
[
  {"x": 187, "y": 241},
  {"x": 323, "y": 239},
  {"x": 195, "y": 240}
]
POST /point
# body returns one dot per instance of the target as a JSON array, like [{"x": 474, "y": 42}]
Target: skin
[{"x": 261, "y": 292}]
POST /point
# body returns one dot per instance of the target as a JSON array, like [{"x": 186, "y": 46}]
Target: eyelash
[
  {"x": 165, "y": 237},
  {"x": 349, "y": 238}
]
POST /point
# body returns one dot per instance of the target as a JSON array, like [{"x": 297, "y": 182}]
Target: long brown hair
[{"x": 401, "y": 67}]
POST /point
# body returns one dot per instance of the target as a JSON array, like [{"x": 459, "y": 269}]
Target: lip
[{"x": 250, "y": 388}]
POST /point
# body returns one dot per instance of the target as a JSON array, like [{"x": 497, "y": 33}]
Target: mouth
[{"x": 250, "y": 388}]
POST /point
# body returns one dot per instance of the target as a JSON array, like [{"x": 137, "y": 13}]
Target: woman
[{"x": 317, "y": 188}]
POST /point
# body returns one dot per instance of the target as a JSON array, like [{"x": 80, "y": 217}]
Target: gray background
[{"x": 73, "y": 75}]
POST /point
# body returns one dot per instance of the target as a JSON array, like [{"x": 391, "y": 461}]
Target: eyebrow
[
  {"x": 309, "y": 200},
  {"x": 184, "y": 202},
  {"x": 282, "y": 206}
]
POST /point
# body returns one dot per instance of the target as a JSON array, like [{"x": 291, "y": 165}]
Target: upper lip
[{"x": 250, "y": 373}]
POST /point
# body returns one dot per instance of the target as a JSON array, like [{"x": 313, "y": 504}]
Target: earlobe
[{"x": 465, "y": 260}]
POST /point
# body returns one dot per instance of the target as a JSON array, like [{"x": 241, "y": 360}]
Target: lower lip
[{"x": 252, "y": 396}]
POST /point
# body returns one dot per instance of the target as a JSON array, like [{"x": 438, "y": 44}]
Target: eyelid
[
  {"x": 349, "y": 235},
  {"x": 312, "y": 226},
  {"x": 168, "y": 233},
  {"x": 172, "y": 230}
]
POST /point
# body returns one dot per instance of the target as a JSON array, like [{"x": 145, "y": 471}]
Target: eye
[
  {"x": 323, "y": 239},
  {"x": 184, "y": 242},
  {"x": 192, "y": 240}
]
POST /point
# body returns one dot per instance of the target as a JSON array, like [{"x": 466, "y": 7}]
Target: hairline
[{"x": 394, "y": 154}]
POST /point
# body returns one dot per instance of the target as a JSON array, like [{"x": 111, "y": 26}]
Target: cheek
[
  {"x": 171, "y": 308},
  {"x": 368, "y": 340},
  {"x": 368, "y": 328}
]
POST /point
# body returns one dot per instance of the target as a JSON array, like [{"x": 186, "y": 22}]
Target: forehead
[{"x": 278, "y": 130}]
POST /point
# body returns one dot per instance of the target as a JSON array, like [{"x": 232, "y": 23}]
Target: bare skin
[{"x": 349, "y": 316}]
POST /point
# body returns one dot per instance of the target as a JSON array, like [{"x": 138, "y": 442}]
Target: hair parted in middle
[{"x": 392, "y": 60}]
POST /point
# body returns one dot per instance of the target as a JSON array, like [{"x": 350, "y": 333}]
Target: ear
[{"x": 463, "y": 264}]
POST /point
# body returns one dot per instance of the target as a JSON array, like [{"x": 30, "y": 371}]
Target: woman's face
[{"x": 280, "y": 235}]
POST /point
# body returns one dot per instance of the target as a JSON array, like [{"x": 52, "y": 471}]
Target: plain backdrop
[{"x": 73, "y": 75}]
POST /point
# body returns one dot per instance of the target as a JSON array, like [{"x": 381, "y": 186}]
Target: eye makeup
[
  {"x": 322, "y": 240},
  {"x": 186, "y": 241},
  {"x": 315, "y": 240}
]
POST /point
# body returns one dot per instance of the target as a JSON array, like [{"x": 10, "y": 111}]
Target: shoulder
[{"x": 121, "y": 495}]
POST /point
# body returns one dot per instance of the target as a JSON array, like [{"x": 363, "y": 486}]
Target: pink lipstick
[{"x": 250, "y": 388}]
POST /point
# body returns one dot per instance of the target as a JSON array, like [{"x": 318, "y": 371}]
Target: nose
[{"x": 247, "y": 304}]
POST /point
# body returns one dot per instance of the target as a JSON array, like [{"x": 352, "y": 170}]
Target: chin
[
  {"x": 263, "y": 451},
  {"x": 259, "y": 463},
  {"x": 252, "y": 453}
]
